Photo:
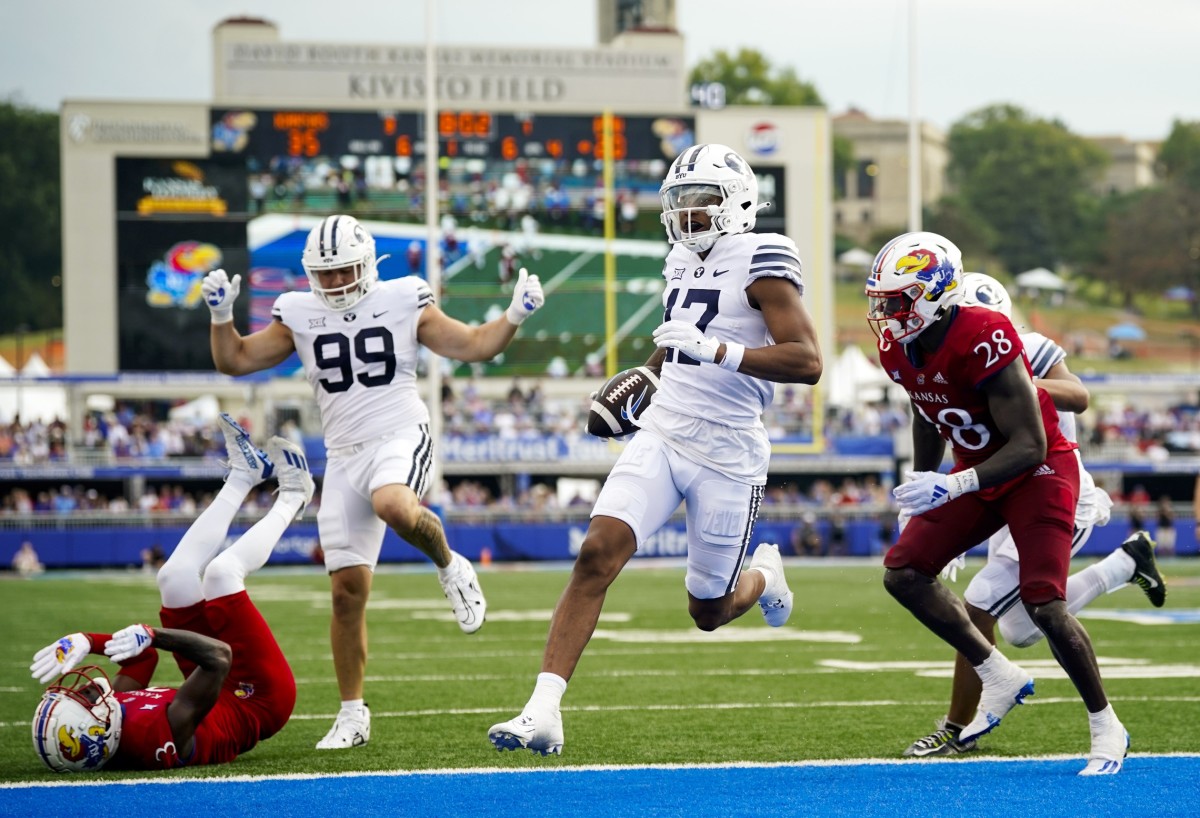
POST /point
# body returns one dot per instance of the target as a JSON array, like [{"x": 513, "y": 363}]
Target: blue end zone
[{"x": 1160, "y": 786}]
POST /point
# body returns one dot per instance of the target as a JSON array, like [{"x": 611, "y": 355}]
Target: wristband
[
  {"x": 733, "y": 356},
  {"x": 98, "y": 641},
  {"x": 962, "y": 482}
]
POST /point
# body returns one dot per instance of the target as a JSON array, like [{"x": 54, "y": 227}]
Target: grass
[{"x": 650, "y": 688}]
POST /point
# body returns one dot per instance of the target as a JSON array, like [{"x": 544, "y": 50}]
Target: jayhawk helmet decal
[{"x": 914, "y": 279}]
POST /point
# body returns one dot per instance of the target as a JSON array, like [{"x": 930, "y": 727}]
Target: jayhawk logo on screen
[
  {"x": 927, "y": 267},
  {"x": 174, "y": 280}
]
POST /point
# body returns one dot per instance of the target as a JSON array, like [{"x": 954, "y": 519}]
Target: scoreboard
[{"x": 466, "y": 134}]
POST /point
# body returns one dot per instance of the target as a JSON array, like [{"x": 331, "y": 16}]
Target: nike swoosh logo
[
  {"x": 719, "y": 273},
  {"x": 1150, "y": 581},
  {"x": 629, "y": 410},
  {"x": 377, "y": 314}
]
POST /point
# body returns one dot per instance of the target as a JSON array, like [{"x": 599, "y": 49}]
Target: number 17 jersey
[{"x": 361, "y": 362}]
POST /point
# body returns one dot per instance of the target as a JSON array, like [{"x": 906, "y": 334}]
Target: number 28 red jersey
[{"x": 947, "y": 388}]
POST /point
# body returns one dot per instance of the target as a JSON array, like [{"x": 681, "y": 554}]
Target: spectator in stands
[
  {"x": 25, "y": 562},
  {"x": 1165, "y": 532}
]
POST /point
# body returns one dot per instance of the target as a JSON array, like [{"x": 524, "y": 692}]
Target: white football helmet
[
  {"x": 712, "y": 179},
  {"x": 915, "y": 278},
  {"x": 337, "y": 242},
  {"x": 77, "y": 724},
  {"x": 981, "y": 290}
]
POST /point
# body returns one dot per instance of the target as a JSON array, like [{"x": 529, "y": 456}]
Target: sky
[{"x": 1101, "y": 67}]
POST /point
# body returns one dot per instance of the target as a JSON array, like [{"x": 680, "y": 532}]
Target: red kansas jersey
[
  {"x": 146, "y": 739},
  {"x": 946, "y": 390}
]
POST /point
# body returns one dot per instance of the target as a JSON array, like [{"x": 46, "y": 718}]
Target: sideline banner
[{"x": 504, "y": 542}]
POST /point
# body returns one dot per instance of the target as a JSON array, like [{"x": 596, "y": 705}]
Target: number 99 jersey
[
  {"x": 947, "y": 389},
  {"x": 361, "y": 362}
]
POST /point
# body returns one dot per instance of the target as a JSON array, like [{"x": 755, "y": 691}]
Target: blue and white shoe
[
  {"x": 244, "y": 457},
  {"x": 996, "y": 700},
  {"x": 776, "y": 598},
  {"x": 540, "y": 733},
  {"x": 291, "y": 468},
  {"x": 1109, "y": 748}
]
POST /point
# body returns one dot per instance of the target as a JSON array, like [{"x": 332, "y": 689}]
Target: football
[{"x": 621, "y": 401}]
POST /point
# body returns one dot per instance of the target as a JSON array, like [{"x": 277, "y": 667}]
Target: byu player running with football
[
  {"x": 237, "y": 688},
  {"x": 993, "y": 593},
  {"x": 734, "y": 324},
  {"x": 969, "y": 383},
  {"x": 358, "y": 339}
]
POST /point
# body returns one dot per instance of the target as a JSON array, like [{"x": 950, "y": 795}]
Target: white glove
[
  {"x": 687, "y": 339},
  {"x": 129, "y": 642},
  {"x": 950, "y": 572},
  {"x": 902, "y": 520},
  {"x": 220, "y": 293},
  {"x": 60, "y": 657},
  {"x": 927, "y": 490},
  {"x": 527, "y": 298}
]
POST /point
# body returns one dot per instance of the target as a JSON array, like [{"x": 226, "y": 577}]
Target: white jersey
[
  {"x": 361, "y": 362},
  {"x": 714, "y": 415}
]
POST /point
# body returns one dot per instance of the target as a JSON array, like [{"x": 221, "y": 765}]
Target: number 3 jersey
[
  {"x": 361, "y": 362},
  {"x": 714, "y": 415},
  {"x": 947, "y": 388}
]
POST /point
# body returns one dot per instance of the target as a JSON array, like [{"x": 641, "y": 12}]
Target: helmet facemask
[
  {"x": 340, "y": 243},
  {"x": 914, "y": 280},
  {"x": 715, "y": 184},
  {"x": 77, "y": 724}
]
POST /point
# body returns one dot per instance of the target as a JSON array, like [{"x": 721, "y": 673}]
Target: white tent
[
  {"x": 35, "y": 367},
  {"x": 1039, "y": 278},
  {"x": 7, "y": 370},
  {"x": 856, "y": 257},
  {"x": 856, "y": 380}
]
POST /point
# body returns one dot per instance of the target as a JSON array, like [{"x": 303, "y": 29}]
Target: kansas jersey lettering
[
  {"x": 362, "y": 362},
  {"x": 946, "y": 388},
  {"x": 711, "y": 294}
]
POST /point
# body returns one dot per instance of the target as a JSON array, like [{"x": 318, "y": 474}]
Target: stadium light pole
[
  {"x": 914, "y": 126},
  {"x": 433, "y": 261}
]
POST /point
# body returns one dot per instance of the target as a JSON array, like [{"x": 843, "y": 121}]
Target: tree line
[{"x": 1023, "y": 195}]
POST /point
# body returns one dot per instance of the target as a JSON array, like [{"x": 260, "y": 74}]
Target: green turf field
[
  {"x": 573, "y": 325},
  {"x": 650, "y": 689}
]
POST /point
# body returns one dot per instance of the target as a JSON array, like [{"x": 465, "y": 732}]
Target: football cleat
[
  {"x": 349, "y": 730},
  {"x": 996, "y": 700},
  {"x": 776, "y": 599},
  {"x": 244, "y": 457},
  {"x": 1145, "y": 572},
  {"x": 943, "y": 741},
  {"x": 540, "y": 733},
  {"x": 1108, "y": 751},
  {"x": 291, "y": 468},
  {"x": 461, "y": 587}
]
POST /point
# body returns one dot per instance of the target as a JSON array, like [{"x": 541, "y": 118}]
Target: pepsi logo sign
[{"x": 763, "y": 138}]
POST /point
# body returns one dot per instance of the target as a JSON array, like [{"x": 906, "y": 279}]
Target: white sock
[
  {"x": 1118, "y": 568},
  {"x": 993, "y": 668},
  {"x": 768, "y": 576},
  {"x": 548, "y": 692},
  {"x": 227, "y": 573},
  {"x": 1086, "y": 585},
  {"x": 1101, "y": 721},
  {"x": 451, "y": 567},
  {"x": 179, "y": 581},
  {"x": 354, "y": 706}
]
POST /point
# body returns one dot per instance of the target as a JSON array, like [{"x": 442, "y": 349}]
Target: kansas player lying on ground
[{"x": 237, "y": 688}]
